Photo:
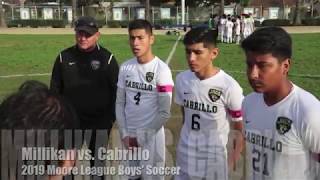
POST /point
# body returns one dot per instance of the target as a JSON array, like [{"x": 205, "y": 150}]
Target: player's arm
[
  {"x": 164, "y": 106},
  {"x": 237, "y": 137},
  {"x": 310, "y": 130},
  {"x": 56, "y": 82},
  {"x": 234, "y": 98},
  {"x": 182, "y": 112},
  {"x": 121, "y": 119},
  {"x": 163, "y": 114},
  {"x": 120, "y": 109},
  {"x": 310, "y": 127},
  {"x": 178, "y": 99},
  {"x": 164, "y": 90}
]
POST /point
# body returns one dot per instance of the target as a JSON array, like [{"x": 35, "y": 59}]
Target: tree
[
  {"x": 313, "y": 3},
  {"x": 244, "y": 2},
  {"x": 147, "y": 10},
  {"x": 221, "y": 7},
  {"x": 206, "y": 3},
  {"x": 297, "y": 13},
  {"x": 155, "y": 2},
  {"x": 2, "y": 19},
  {"x": 74, "y": 11},
  {"x": 149, "y": 3}
]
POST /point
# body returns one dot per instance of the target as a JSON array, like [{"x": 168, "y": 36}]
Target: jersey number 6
[{"x": 195, "y": 125}]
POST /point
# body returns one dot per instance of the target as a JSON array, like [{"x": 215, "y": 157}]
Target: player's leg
[
  {"x": 226, "y": 36},
  {"x": 222, "y": 34},
  {"x": 156, "y": 148},
  {"x": 219, "y": 33},
  {"x": 230, "y": 38},
  {"x": 126, "y": 164},
  {"x": 185, "y": 176},
  {"x": 238, "y": 38},
  {"x": 245, "y": 34},
  {"x": 318, "y": 170}
]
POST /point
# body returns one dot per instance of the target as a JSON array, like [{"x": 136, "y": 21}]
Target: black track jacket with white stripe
[{"x": 89, "y": 81}]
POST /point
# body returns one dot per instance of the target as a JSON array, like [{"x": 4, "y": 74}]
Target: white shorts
[
  {"x": 184, "y": 176},
  {"x": 198, "y": 163},
  {"x": 154, "y": 143}
]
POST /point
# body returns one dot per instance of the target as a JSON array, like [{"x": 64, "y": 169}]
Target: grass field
[{"x": 28, "y": 54}]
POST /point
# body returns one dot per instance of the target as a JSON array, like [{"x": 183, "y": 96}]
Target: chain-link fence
[
  {"x": 119, "y": 16},
  {"x": 38, "y": 12}
]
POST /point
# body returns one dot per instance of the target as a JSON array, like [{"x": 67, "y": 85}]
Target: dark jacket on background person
[{"x": 89, "y": 81}]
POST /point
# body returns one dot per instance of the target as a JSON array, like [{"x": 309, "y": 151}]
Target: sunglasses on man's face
[{"x": 83, "y": 33}]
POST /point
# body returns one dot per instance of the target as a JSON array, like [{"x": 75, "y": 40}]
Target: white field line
[
  {"x": 243, "y": 72},
  {"x": 173, "y": 50},
  {"x": 176, "y": 70},
  {"x": 23, "y": 75},
  {"x": 48, "y": 74}
]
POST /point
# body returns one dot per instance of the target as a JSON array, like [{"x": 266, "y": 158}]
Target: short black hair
[
  {"x": 33, "y": 85},
  {"x": 274, "y": 40},
  {"x": 201, "y": 35},
  {"x": 141, "y": 24},
  {"x": 35, "y": 107}
]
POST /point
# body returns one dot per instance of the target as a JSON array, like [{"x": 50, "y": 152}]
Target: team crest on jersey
[
  {"x": 149, "y": 76},
  {"x": 283, "y": 125},
  {"x": 95, "y": 64},
  {"x": 214, "y": 94}
]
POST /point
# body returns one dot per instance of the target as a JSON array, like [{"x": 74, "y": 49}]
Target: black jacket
[{"x": 89, "y": 81}]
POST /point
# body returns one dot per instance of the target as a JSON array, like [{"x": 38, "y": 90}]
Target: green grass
[
  {"x": 306, "y": 61},
  {"x": 24, "y": 54},
  {"x": 27, "y": 54}
]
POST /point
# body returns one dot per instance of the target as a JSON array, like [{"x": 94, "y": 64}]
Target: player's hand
[
  {"x": 234, "y": 155},
  {"x": 316, "y": 157},
  {"x": 130, "y": 142},
  {"x": 232, "y": 160}
]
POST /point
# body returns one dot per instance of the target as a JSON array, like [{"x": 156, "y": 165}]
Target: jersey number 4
[
  {"x": 195, "y": 124},
  {"x": 137, "y": 98}
]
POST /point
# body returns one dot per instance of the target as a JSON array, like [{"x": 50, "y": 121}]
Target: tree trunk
[
  {"x": 60, "y": 9},
  {"x": 312, "y": 8},
  {"x": 221, "y": 7},
  {"x": 110, "y": 11},
  {"x": 2, "y": 19},
  {"x": 74, "y": 11},
  {"x": 284, "y": 16},
  {"x": 297, "y": 13},
  {"x": 147, "y": 10}
]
